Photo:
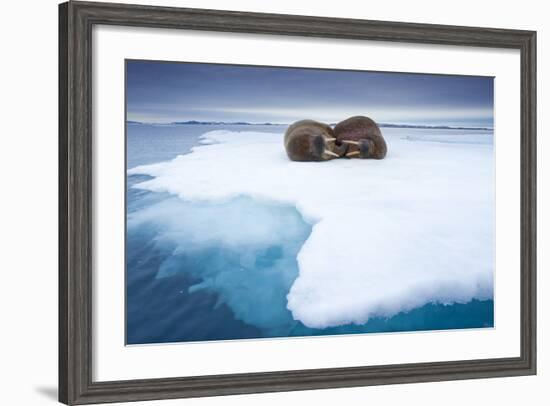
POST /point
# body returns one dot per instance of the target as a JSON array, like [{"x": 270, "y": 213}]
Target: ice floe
[{"x": 388, "y": 235}]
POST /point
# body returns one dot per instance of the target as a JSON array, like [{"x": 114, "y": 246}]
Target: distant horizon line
[{"x": 383, "y": 125}]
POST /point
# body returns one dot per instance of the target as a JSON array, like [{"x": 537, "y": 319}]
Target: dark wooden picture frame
[{"x": 76, "y": 20}]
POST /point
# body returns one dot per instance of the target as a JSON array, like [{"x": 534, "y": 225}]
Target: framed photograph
[{"x": 257, "y": 202}]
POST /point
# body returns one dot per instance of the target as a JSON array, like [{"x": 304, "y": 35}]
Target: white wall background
[{"x": 28, "y": 215}]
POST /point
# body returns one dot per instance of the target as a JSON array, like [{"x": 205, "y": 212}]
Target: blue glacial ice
[{"x": 242, "y": 251}]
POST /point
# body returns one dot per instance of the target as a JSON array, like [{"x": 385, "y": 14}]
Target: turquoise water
[{"x": 191, "y": 277}]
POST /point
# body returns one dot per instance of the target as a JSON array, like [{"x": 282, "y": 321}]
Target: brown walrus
[
  {"x": 309, "y": 140},
  {"x": 362, "y": 137}
]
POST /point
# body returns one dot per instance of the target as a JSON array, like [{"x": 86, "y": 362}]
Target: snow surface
[{"x": 388, "y": 236}]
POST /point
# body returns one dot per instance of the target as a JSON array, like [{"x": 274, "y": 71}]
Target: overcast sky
[{"x": 164, "y": 92}]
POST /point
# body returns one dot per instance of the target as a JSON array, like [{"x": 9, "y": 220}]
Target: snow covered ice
[{"x": 387, "y": 236}]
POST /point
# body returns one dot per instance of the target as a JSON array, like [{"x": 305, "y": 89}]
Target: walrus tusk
[
  {"x": 330, "y": 139},
  {"x": 331, "y": 153},
  {"x": 350, "y": 142},
  {"x": 350, "y": 154}
]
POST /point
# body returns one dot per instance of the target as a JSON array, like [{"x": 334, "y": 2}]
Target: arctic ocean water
[{"x": 199, "y": 271}]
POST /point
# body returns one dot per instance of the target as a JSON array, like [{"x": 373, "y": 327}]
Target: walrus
[
  {"x": 309, "y": 140},
  {"x": 362, "y": 137}
]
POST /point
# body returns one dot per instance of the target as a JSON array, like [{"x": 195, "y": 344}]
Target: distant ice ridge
[{"x": 388, "y": 236}]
